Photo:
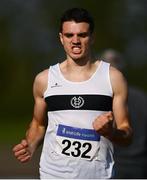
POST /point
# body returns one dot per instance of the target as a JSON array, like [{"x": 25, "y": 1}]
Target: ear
[{"x": 61, "y": 37}]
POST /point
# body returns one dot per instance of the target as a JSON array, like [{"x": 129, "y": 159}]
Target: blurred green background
[{"x": 29, "y": 43}]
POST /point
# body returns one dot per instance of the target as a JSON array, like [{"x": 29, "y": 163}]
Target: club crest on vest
[{"x": 77, "y": 102}]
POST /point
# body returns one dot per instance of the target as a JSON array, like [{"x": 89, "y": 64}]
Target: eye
[
  {"x": 68, "y": 35},
  {"x": 83, "y": 35}
]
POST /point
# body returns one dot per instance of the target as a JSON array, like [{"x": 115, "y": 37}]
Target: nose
[{"x": 75, "y": 39}]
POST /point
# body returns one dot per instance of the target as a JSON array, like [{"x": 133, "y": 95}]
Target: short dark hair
[{"x": 78, "y": 15}]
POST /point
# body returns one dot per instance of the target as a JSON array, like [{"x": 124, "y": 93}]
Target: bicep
[
  {"x": 120, "y": 111},
  {"x": 40, "y": 113},
  {"x": 40, "y": 106}
]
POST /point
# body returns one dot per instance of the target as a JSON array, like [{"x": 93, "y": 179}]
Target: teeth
[{"x": 76, "y": 49}]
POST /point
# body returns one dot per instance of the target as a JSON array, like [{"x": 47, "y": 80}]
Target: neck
[
  {"x": 78, "y": 66},
  {"x": 85, "y": 61}
]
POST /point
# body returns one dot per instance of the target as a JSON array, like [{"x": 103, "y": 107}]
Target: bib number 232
[
  {"x": 77, "y": 142},
  {"x": 76, "y": 148}
]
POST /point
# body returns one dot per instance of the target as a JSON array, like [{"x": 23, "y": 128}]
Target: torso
[{"x": 73, "y": 104}]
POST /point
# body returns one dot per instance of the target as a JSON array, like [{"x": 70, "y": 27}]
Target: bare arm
[
  {"x": 121, "y": 133},
  {"x": 35, "y": 133}
]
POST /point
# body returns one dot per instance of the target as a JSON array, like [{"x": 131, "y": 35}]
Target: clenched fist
[
  {"x": 103, "y": 124},
  {"x": 21, "y": 151}
]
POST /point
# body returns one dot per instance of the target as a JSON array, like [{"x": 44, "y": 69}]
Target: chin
[{"x": 77, "y": 57}]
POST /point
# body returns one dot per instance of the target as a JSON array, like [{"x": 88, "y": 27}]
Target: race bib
[{"x": 77, "y": 142}]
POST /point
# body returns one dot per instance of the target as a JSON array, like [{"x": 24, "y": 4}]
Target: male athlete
[{"x": 85, "y": 101}]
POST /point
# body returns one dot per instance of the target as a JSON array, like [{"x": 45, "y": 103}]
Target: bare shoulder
[
  {"x": 118, "y": 80},
  {"x": 40, "y": 82},
  {"x": 115, "y": 74},
  {"x": 42, "y": 76}
]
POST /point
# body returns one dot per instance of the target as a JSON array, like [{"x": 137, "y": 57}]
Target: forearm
[
  {"x": 121, "y": 137},
  {"x": 35, "y": 135},
  {"x": 25, "y": 149}
]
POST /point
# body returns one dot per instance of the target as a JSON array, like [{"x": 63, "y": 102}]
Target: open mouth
[{"x": 76, "y": 49}]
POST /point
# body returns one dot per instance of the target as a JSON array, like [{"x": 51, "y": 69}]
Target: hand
[
  {"x": 103, "y": 124},
  {"x": 21, "y": 151}
]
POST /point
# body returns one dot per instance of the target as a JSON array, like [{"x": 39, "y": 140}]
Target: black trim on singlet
[{"x": 79, "y": 102}]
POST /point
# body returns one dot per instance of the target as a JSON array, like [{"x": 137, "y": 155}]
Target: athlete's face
[{"x": 76, "y": 39}]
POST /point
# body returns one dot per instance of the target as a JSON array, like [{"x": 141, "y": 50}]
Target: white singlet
[{"x": 72, "y": 149}]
